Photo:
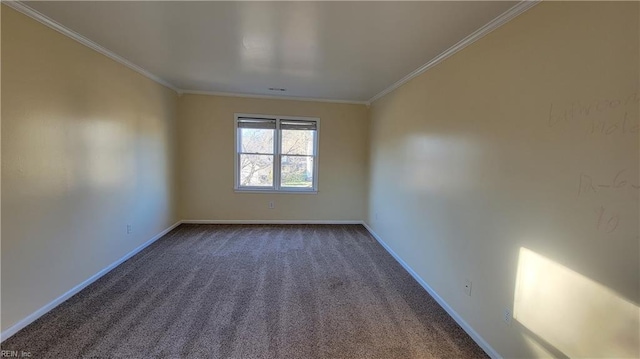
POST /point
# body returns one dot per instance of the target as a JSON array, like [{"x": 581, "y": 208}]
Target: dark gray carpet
[{"x": 252, "y": 291}]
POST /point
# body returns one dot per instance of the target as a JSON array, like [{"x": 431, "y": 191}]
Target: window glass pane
[
  {"x": 296, "y": 171},
  {"x": 256, "y": 170},
  {"x": 256, "y": 140},
  {"x": 297, "y": 142}
]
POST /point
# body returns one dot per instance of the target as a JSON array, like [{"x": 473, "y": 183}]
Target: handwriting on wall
[
  {"x": 613, "y": 116},
  {"x": 607, "y": 220},
  {"x": 605, "y": 116},
  {"x": 619, "y": 181}
]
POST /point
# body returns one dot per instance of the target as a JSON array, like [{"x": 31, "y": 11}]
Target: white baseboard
[
  {"x": 461, "y": 322},
  {"x": 45, "y": 309},
  {"x": 267, "y": 221},
  {"x": 40, "y": 312}
]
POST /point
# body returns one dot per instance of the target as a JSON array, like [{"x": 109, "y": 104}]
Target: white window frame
[{"x": 277, "y": 156}]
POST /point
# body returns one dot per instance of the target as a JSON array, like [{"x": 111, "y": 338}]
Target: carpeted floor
[{"x": 252, "y": 291}]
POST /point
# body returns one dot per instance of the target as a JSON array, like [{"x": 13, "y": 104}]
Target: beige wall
[
  {"x": 206, "y": 155},
  {"x": 494, "y": 166},
  {"x": 86, "y": 149}
]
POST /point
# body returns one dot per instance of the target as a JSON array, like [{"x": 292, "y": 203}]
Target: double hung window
[{"x": 276, "y": 153}]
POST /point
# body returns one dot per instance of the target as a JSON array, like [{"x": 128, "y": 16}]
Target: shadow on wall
[{"x": 570, "y": 315}]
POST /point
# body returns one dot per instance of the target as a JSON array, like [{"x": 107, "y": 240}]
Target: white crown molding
[
  {"x": 270, "y": 97},
  {"x": 492, "y": 25},
  {"x": 502, "y": 19},
  {"x": 43, "y": 19}
]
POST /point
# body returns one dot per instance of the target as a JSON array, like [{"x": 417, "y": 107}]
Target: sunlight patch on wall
[{"x": 574, "y": 314}]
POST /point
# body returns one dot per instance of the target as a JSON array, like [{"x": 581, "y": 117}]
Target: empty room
[{"x": 320, "y": 179}]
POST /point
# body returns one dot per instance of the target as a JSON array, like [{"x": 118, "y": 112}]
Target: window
[{"x": 275, "y": 153}]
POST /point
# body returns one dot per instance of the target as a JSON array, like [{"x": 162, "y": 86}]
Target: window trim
[{"x": 276, "y": 188}]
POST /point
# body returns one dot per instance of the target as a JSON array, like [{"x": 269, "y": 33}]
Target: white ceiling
[{"x": 326, "y": 50}]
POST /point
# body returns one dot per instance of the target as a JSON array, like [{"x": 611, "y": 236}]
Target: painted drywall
[
  {"x": 514, "y": 164},
  {"x": 87, "y": 148},
  {"x": 206, "y": 161}
]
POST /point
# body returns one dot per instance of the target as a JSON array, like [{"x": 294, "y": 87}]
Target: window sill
[{"x": 274, "y": 191}]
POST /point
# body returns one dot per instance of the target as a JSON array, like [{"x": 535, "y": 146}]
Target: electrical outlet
[
  {"x": 377, "y": 217},
  {"x": 129, "y": 229},
  {"x": 507, "y": 316},
  {"x": 272, "y": 205},
  {"x": 467, "y": 287}
]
